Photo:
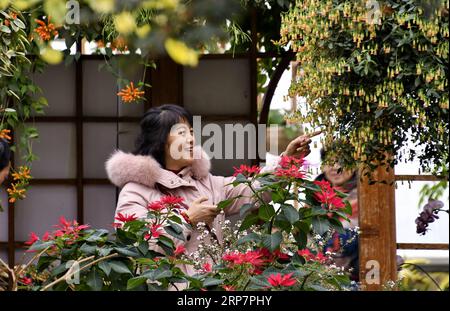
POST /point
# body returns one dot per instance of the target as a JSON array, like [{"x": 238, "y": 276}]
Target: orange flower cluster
[
  {"x": 22, "y": 174},
  {"x": 130, "y": 93},
  {"x": 46, "y": 31},
  {"x": 119, "y": 44},
  {"x": 4, "y": 134},
  {"x": 18, "y": 189},
  {"x": 15, "y": 193}
]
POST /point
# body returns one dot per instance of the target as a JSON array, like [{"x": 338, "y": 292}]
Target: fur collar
[{"x": 123, "y": 168}]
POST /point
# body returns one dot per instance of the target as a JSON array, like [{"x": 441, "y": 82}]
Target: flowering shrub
[
  {"x": 275, "y": 246},
  {"x": 375, "y": 74}
]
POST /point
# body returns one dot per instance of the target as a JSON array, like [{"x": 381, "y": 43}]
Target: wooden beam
[
  {"x": 377, "y": 239},
  {"x": 79, "y": 135},
  {"x": 418, "y": 178},
  {"x": 167, "y": 83},
  {"x": 438, "y": 246},
  {"x": 11, "y": 217}
]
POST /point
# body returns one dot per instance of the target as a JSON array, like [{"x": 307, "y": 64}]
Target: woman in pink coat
[{"x": 166, "y": 161}]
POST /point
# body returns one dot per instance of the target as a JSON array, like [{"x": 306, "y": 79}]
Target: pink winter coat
[{"x": 141, "y": 178}]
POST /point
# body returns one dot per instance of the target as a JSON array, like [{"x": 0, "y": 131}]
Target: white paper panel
[
  {"x": 99, "y": 90},
  {"x": 4, "y": 254},
  {"x": 58, "y": 86},
  {"x": 56, "y": 149},
  {"x": 42, "y": 208},
  {"x": 217, "y": 87},
  {"x": 135, "y": 109},
  {"x": 100, "y": 139},
  {"x": 4, "y": 215},
  {"x": 99, "y": 205},
  {"x": 128, "y": 133},
  {"x": 221, "y": 165},
  {"x": 407, "y": 210}
]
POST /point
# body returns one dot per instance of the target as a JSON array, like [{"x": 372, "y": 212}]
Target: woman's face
[
  {"x": 4, "y": 173},
  {"x": 180, "y": 146},
  {"x": 336, "y": 176}
]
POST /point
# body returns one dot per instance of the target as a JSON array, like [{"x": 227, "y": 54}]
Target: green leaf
[
  {"x": 320, "y": 225},
  {"x": 105, "y": 267},
  {"x": 249, "y": 221},
  {"x": 266, "y": 212},
  {"x": 301, "y": 238},
  {"x": 127, "y": 251},
  {"x": 272, "y": 241},
  {"x": 212, "y": 282},
  {"x": 157, "y": 274},
  {"x": 61, "y": 268},
  {"x": 5, "y": 29},
  {"x": 240, "y": 179},
  {"x": 143, "y": 248},
  {"x": 291, "y": 213},
  {"x": 251, "y": 237},
  {"x": 135, "y": 282},
  {"x": 225, "y": 203},
  {"x": 119, "y": 267},
  {"x": 175, "y": 231},
  {"x": 88, "y": 249},
  {"x": 40, "y": 245},
  {"x": 94, "y": 280},
  {"x": 245, "y": 208},
  {"x": 44, "y": 262},
  {"x": 104, "y": 251}
]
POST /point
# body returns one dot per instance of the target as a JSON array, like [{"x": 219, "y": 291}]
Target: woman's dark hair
[
  {"x": 155, "y": 128},
  {"x": 5, "y": 154}
]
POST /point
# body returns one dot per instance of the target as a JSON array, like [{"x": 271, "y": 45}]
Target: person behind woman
[
  {"x": 5, "y": 156},
  {"x": 167, "y": 162},
  {"x": 344, "y": 245}
]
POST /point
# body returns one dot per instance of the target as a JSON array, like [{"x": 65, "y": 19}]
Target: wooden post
[
  {"x": 377, "y": 240},
  {"x": 167, "y": 83}
]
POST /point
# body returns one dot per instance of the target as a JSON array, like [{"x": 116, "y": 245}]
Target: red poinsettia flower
[
  {"x": 309, "y": 256},
  {"x": 328, "y": 195},
  {"x": 171, "y": 201},
  {"x": 26, "y": 281},
  {"x": 291, "y": 172},
  {"x": 33, "y": 238},
  {"x": 330, "y": 198},
  {"x": 246, "y": 170},
  {"x": 277, "y": 280},
  {"x": 207, "y": 267},
  {"x": 69, "y": 227},
  {"x": 305, "y": 253},
  {"x": 280, "y": 255},
  {"x": 155, "y": 232},
  {"x": 46, "y": 236},
  {"x": 125, "y": 217},
  {"x": 288, "y": 161},
  {"x": 179, "y": 250},
  {"x": 254, "y": 258},
  {"x": 156, "y": 206},
  {"x": 320, "y": 258}
]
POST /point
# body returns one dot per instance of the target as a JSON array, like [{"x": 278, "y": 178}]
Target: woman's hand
[
  {"x": 300, "y": 145},
  {"x": 199, "y": 212}
]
